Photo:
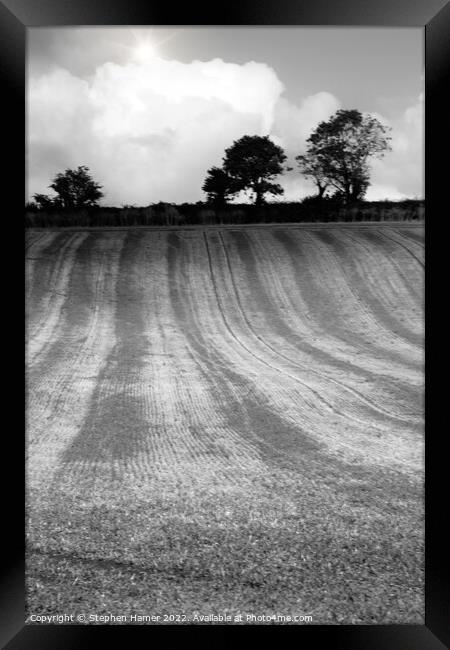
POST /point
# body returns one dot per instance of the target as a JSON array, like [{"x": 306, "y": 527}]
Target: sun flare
[{"x": 144, "y": 51}]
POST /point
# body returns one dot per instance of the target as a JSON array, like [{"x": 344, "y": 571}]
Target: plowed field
[{"x": 226, "y": 420}]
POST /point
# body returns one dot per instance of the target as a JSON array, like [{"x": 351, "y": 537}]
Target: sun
[
  {"x": 144, "y": 51},
  {"x": 146, "y": 44}
]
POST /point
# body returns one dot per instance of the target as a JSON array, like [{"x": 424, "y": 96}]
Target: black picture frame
[{"x": 434, "y": 16}]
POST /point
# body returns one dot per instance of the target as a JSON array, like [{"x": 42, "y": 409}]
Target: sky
[{"x": 150, "y": 110}]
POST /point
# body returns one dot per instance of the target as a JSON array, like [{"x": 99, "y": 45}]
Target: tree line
[{"x": 336, "y": 159}]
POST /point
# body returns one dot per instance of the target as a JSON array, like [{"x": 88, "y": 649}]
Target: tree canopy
[
  {"x": 42, "y": 202},
  {"x": 338, "y": 153},
  {"x": 310, "y": 166},
  {"x": 219, "y": 186},
  {"x": 252, "y": 163},
  {"x": 75, "y": 188}
]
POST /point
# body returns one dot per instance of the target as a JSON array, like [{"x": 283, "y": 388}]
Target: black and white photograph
[{"x": 225, "y": 325}]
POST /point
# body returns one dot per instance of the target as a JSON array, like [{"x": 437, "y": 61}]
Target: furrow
[
  {"x": 395, "y": 236},
  {"x": 390, "y": 292},
  {"x": 314, "y": 356},
  {"x": 369, "y": 286},
  {"x": 48, "y": 295},
  {"x": 317, "y": 422},
  {"x": 312, "y": 316},
  {"x": 59, "y": 388}
]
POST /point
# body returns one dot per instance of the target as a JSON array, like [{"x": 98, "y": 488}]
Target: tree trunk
[
  {"x": 259, "y": 200},
  {"x": 321, "y": 189},
  {"x": 347, "y": 193}
]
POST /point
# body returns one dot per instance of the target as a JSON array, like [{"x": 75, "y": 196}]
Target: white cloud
[
  {"x": 150, "y": 129},
  {"x": 294, "y": 124},
  {"x": 58, "y": 106},
  {"x": 400, "y": 174}
]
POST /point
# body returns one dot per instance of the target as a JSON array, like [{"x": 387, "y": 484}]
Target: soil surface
[{"x": 226, "y": 421}]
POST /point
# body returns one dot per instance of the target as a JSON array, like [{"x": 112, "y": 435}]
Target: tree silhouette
[
  {"x": 310, "y": 166},
  {"x": 75, "y": 188},
  {"x": 219, "y": 186},
  {"x": 338, "y": 152},
  {"x": 253, "y": 162},
  {"x": 44, "y": 202}
]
